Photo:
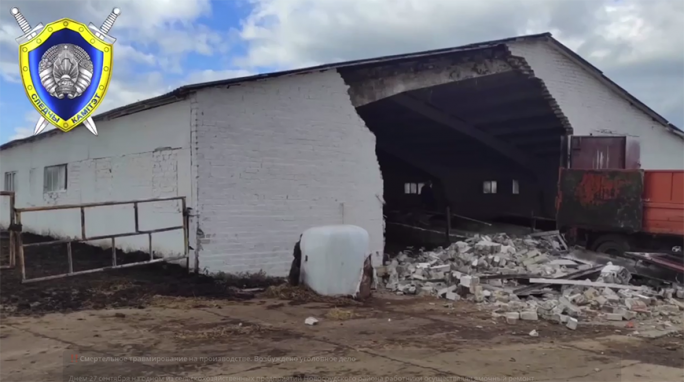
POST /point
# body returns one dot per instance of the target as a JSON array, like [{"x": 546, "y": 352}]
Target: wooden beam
[
  {"x": 445, "y": 119},
  {"x": 480, "y": 103},
  {"x": 511, "y": 114},
  {"x": 586, "y": 283},
  {"x": 416, "y": 161},
  {"x": 522, "y": 128}
]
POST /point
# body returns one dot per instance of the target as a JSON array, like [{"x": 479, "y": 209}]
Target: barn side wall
[
  {"x": 274, "y": 158},
  {"x": 140, "y": 156},
  {"x": 595, "y": 109}
]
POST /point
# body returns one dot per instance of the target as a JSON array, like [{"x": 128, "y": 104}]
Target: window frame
[
  {"x": 48, "y": 178},
  {"x": 413, "y": 188},
  {"x": 487, "y": 187},
  {"x": 12, "y": 177}
]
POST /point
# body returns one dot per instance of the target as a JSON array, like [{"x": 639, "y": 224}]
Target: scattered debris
[
  {"x": 512, "y": 317},
  {"x": 339, "y": 314},
  {"x": 311, "y": 321},
  {"x": 530, "y": 278},
  {"x": 534, "y": 333}
]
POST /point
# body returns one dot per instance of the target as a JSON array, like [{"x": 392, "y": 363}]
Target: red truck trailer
[{"x": 621, "y": 210}]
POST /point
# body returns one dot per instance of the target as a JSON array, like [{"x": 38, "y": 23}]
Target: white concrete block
[
  {"x": 512, "y": 317},
  {"x": 311, "y": 321}
]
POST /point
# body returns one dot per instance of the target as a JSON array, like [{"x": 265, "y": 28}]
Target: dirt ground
[
  {"x": 127, "y": 287},
  {"x": 159, "y": 323},
  {"x": 190, "y": 339}
]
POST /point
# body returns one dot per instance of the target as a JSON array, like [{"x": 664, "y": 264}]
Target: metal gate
[
  {"x": 8, "y": 249},
  {"x": 84, "y": 238}
]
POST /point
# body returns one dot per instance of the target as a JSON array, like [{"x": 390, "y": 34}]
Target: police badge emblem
[{"x": 65, "y": 67}]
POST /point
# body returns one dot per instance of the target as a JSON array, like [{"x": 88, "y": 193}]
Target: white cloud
[
  {"x": 167, "y": 26},
  {"x": 289, "y": 33},
  {"x": 199, "y": 39},
  {"x": 133, "y": 89},
  {"x": 130, "y": 54},
  {"x": 215, "y": 75},
  {"x": 153, "y": 38},
  {"x": 636, "y": 42},
  {"x": 30, "y": 119},
  {"x": 9, "y": 71},
  {"x": 21, "y": 133}
]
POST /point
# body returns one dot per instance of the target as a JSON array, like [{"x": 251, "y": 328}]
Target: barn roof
[{"x": 183, "y": 91}]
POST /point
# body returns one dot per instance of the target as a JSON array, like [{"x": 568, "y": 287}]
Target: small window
[
  {"x": 515, "y": 187},
  {"x": 413, "y": 188},
  {"x": 489, "y": 187},
  {"x": 55, "y": 178},
  {"x": 11, "y": 181}
]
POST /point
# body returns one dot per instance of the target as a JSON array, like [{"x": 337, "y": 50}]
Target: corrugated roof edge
[{"x": 182, "y": 92}]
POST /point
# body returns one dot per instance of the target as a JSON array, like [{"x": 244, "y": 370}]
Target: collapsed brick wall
[{"x": 274, "y": 158}]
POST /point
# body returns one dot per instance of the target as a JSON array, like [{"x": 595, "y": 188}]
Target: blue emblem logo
[{"x": 65, "y": 68}]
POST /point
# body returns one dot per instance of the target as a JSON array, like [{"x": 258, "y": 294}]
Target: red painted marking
[{"x": 596, "y": 188}]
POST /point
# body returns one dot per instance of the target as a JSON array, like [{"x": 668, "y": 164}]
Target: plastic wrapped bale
[{"x": 334, "y": 260}]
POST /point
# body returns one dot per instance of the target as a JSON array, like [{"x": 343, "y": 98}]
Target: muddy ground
[
  {"x": 190, "y": 339},
  {"x": 120, "y": 288},
  {"x": 159, "y": 323}
]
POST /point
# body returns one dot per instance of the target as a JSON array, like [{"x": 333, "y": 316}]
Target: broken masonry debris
[{"x": 530, "y": 278}]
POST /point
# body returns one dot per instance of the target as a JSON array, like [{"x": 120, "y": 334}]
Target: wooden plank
[
  {"x": 529, "y": 289},
  {"x": 584, "y": 283}
]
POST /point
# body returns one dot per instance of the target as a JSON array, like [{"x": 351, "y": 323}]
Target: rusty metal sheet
[
  {"x": 601, "y": 199},
  {"x": 591, "y": 152}
]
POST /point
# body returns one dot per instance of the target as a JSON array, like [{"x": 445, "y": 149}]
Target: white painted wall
[
  {"x": 141, "y": 156},
  {"x": 277, "y": 157},
  {"x": 595, "y": 109}
]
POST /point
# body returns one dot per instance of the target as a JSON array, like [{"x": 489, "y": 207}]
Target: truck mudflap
[{"x": 607, "y": 200}]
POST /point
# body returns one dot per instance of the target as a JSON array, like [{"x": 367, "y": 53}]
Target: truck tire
[{"x": 612, "y": 245}]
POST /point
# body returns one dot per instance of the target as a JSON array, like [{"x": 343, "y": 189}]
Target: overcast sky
[{"x": 167, "y": 43}]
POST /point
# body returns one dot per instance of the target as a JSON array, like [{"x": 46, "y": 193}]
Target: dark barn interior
[{"x": 492, "y": 147}]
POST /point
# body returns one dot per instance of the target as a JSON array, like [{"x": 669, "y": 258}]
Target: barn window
[
  {"x": 10, "y": 181},
  {"x": 55, "y": 178},
  {"x": 515, "y": 187},
  {"x": 413, "y": 188},
  {"x": 489, "y": 187}
]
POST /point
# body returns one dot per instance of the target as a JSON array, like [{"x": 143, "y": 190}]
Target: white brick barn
[{"x": 262, "y": 158}]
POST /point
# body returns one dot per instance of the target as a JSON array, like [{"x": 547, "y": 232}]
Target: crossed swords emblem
[{"x": 31, "y": 33}]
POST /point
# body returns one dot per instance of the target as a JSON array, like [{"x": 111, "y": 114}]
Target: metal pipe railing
[
  {"x": 184, "y": 227},
  {"x": 11, "y": 233}
]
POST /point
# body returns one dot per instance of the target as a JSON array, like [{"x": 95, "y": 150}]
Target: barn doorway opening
[{"x": 490, "y": 147}]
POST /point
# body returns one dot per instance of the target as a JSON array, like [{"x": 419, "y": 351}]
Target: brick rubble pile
[{"x": 467, "y": 269}]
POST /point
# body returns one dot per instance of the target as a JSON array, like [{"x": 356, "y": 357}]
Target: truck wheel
[{"x": 611, "y": 245}]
